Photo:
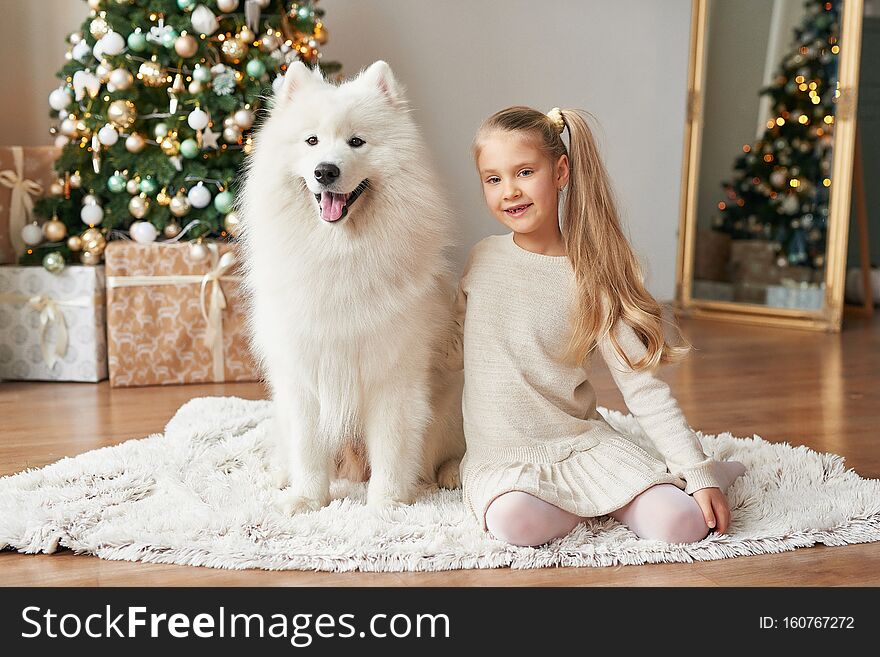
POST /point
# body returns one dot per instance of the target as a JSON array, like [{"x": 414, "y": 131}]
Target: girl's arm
[{"x": 651, "y": 402}]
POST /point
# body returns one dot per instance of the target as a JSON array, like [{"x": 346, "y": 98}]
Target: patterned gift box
[
  {"x": 52, "y": 325},
  {"x": 172, "y": 319},
  {"x": 25, "y": 175}
]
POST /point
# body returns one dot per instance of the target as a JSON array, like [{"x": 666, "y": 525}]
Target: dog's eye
[
  {"x": 312, "y": 141},
  {"x": 356, "y": 142}
]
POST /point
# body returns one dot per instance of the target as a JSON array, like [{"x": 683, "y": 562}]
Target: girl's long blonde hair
[{"x": 608, "y": 274}]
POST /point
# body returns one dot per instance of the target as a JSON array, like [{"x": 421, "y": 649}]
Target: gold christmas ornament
[
  {"x": 151, "y": 73},
  {"x": 75, "y": 180},
  {"x": 233, "y": 49},
  {"x": 195, "y": 87},
  {"x": 122, "y": 113},
  {"x": 244, "y": 119},
  {"x": 135, "y": 143},
  {"x": 54, "y": 230},
  {"x": 269, "y": 42},
  {"x": 186, "y": 45},
  {"x": 56, "y": 188},
  {"x": 94, "y": 4},
  {"x": 231, "y": 135},
  {"x": 179, "y": 205},
  {"x": 170, "y": 146},
  {"x": 162, "y": 197},
  {"x": 90, "y": 257},
  {"x": 246, "y": 35},
  {"x": 132, "y": 185},
  {"x": 92, "y": 240},
  {"x": 74, "y": 243},
  {"x": 232, "y": 223},
  {"x": 99, "y": 27},
  {"x": 138, "y": 206},
  {"x": 171, "y": 230}
]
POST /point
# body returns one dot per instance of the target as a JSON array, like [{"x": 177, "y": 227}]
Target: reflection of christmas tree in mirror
[
  {"x": 780, "y": 185},
  {"x": 155, "y": 113}
]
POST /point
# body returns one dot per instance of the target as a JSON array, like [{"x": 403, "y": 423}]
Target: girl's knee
[
  {"x": 513, "y": 518},
  {"x": 683, "y": 524}
]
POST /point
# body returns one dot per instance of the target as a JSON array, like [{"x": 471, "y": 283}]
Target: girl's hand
[{"x": 716, "y": 510}]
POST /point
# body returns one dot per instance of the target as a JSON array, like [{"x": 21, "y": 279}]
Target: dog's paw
[
  {"x": 448, "y": 476},
  {"x": 292, "y": 503},
  {"x": 384, "y": 500}
]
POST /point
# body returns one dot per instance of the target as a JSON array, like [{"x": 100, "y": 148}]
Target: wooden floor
[{"x": 805, "y": 388}]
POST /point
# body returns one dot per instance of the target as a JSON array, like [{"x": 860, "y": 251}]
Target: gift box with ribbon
[
  {"x": 26, "y": 174},
  {"x": 172, "y": 318},
  {"x": 52, "y": 325}
]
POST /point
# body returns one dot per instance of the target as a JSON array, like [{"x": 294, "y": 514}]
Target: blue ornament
[
  {"x": 137, "y": 41},
  {"x": 116, "y": 183},
  {"x": 202, "y": 74},
  {"x": 189, "y": 148},
  {"x": 149, "y": 185},
  {"x": 255, "y": 68},
  {"x": 186, "y": 5},
  {"x": 169, "y": 38},
  {"x": 223, "y": 202}
]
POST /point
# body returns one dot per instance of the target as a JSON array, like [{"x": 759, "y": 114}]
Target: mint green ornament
[
  {"x": 189, "y": 148},
  {"x": 137, "y": 41},
  {"x": 169, "y": 38},
  {"x": 116, "y": 183},
  {"x": 223, "y": 202},
  {"x": 186, "y": 5},
  {"x": 255, "y": 68},
  {"x": 202, "y": 74},
  {"x": 149, "y": 185}
]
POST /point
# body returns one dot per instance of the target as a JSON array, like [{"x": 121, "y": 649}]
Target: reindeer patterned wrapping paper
[
  {"x": 52, "y": 325},
  {"x": 172, "y": 319}
]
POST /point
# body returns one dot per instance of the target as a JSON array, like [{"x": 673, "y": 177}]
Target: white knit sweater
[{"x": 530, "y": 422}]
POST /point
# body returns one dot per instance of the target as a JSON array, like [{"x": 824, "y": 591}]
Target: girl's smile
[{"x": 521, "y": 188}]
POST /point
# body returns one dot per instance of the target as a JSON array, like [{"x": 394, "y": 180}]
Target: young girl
[{"x": 532, "y": 306}]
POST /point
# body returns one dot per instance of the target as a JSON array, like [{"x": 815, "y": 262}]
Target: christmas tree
[
  {"x": 781, "y": 183},
  {"x": 155, "y": 114}
]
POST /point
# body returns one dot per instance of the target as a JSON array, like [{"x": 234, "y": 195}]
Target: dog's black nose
[{"x": 326, "y": 173}]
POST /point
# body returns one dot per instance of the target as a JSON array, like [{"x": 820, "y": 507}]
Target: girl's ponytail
[{"x": 610, "y": 282}]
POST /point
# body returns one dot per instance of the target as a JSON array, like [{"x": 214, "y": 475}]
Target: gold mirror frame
[{"x": 830, "y": 316}]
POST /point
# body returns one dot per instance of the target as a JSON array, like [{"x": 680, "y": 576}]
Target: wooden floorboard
[{"x": 821, "y": 390}]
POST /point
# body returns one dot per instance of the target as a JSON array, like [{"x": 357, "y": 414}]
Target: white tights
[{"x": 662, "y": 512}]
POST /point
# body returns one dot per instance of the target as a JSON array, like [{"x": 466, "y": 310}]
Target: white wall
[{"x": 625, "y": 62}]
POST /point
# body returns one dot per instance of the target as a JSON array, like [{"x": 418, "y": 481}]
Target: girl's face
[{"x": 520, "y": 184}]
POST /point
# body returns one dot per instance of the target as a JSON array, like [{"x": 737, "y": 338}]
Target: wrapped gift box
[
  {"x": 52, "y": 326},
  {"x": 173, "y": 319},
  {"x": 25, "y": 175},
  {"x": 796, "y": 294}
]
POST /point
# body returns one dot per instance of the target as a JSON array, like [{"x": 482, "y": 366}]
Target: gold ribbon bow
[
  {"x": 213, "y": 312},
  {"x": 50, "y": 314},
  {"x": 21, "y": 206}
]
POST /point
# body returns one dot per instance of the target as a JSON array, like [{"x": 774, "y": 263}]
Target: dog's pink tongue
[{"x": 331, "y": 206}]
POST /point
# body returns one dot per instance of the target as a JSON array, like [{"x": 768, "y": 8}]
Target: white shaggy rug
[{"x": 200, "y": 495}]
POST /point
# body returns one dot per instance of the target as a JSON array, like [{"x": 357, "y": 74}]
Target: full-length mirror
[{"x": 768, "y": 160}]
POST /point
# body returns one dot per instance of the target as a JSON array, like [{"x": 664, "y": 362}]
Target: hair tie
[{"x": 555, "y": 116}]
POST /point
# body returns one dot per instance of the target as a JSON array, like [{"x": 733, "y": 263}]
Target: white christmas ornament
[
  {"x": 61, "y": 141},
  {"x": 227, "y": 5},
  {"x": 81, "y": 51},
  {"x": 199, "y": 196},
  {"x": 86, "y": 82},
  {"x": 204, "y": 21},
  {"x": 60, "y": 98},
  {"x": 197, "y": 119},
  {"x": 107, "y": 135},
  {"x": 92, "y": 214},
  {"x": 32, "y": 234},
  {"x": 121, "y": 78},
  {"x": 111, "y": 43},
  {"x": 143, "y": 232}
]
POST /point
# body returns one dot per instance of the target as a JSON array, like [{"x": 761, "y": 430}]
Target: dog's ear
[
  {"x": 296, "y": 78},
  {"x": 379, "y": 75}
]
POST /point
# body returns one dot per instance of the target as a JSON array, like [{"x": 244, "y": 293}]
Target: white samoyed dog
[{"x": 344, "y": 233}]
